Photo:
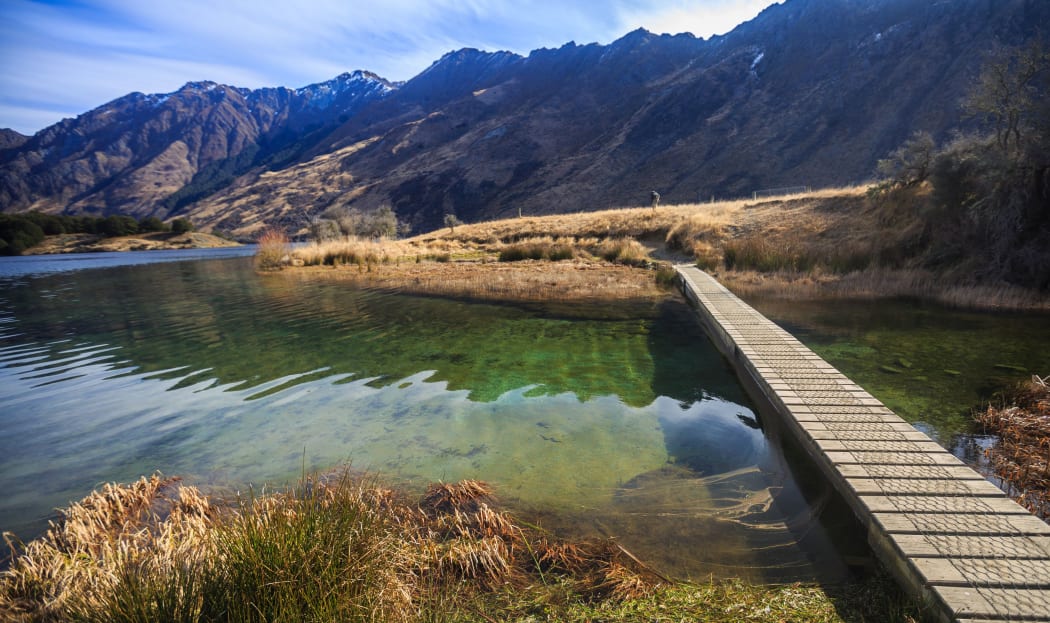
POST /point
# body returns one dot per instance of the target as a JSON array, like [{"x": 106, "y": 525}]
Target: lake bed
[{"x": 597, "y": 420}]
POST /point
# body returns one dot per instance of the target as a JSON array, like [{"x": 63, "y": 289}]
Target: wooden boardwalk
[{"x": 951, "y": 538}]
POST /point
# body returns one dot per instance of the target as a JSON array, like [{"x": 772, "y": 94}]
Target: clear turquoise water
[
  {"x": 616, "y": 420},
  {"x": 930, "y": 364}
]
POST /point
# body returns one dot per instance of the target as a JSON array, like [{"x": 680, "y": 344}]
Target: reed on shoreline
[
  {"x": 343, "y": 548},
  {"x": 1021, "y": 454},
  {"x": 881, "y": 283}
]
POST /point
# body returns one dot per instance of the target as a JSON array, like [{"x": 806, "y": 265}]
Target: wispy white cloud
[
  {"x": 63, "y": 58},
  {"x": 703, "y": 19}
]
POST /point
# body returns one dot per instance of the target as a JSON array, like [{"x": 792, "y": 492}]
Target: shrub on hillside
[
  {"x": 181, "y": 226},
  {"x": 451, "y": 220},
  {"x": 991, "y": 191},
  {"x": 351, "y": 222},
  {"x": 323, "y": 229},
  {"x": 118, "y": 225},
  {"x": 152, "y": 224},
  {"x": 18, "y": 234},
  {"x": 909, "y": 165}
]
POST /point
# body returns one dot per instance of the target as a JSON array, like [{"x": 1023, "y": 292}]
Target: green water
[
  {"x": 618, "y": 420},
  {"x": 930, "y": 364}
]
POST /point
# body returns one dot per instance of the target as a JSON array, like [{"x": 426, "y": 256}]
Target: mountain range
[{"x": 810, "y": 92}]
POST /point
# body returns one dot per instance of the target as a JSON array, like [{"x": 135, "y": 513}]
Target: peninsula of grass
[
  {"x": 340, "y": 548},
  {"x": 36, "y": 233},
  {"x": 831, "y": 243}
]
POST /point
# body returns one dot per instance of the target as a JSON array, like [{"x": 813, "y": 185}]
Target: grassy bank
[
  {"x": 152, "y": 241},
  {"x": 537, "y": 268},
  {"x": 343, "y": 549},
  {"x": 833, "y": 243}
]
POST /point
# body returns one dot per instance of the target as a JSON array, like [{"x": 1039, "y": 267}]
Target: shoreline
[
  {"x": 532, "y": 281},
  {"x": 338, "y": 543},
  {"x": 825, "y": 244},
  {"x": 62, "y": 244},
  {"x": 879, "y": 284}
]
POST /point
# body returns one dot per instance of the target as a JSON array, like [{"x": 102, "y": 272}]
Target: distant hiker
[{"x": 654, "y": 199}]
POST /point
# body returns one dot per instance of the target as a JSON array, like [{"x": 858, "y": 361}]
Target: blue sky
[{"x": 59, "y": 58}]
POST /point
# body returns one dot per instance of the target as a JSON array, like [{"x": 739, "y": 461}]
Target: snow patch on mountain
[
  {"x": 758, "y": 59},
  {"x": 356, "y": 84}
]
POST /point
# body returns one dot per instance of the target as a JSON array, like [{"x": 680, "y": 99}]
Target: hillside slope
[
  {"x": 810, "y": 92},
  {"x": 148, "y": 155}
]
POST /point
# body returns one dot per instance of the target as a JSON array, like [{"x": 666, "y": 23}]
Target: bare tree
[
  {"x": 909, "y": 165},
  {"x": 381, "y": 224},
  {"x": 1009, "y": 91},
  {"x": 323, "y": 229}
]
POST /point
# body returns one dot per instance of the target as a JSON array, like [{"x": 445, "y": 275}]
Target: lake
[
  {"x": 613, "y": 420},
  {"x": 931, "y": 364}
]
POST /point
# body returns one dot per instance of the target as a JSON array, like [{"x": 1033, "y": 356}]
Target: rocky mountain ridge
[
  {"x": 136, "y": 154},
  {"x": 10, "y": 139},
  {"x": 810, "y": 92}
]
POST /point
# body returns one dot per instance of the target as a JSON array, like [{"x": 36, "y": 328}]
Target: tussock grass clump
[
  {"x": 139, "y": 537},
  {"x": 344, "y": 252},
  {"x": 539, "y": 249},
  {"x": 1021, "y": 455},
  {"x": 370, "y": 253},
  {"x": 274, "y": 250},
  {"x": 694, "y": 230},
  {"x": 666, "y": 275},
  {"x": 330, "y": 549},
  {"x": 876, "y": 283},
  {"x": 763, "y": 256},
  {"x": 626, "y": 251},
  {"x": 706, "y": 256},
  {"x": 794, "y": 255},
  {"x": 322, "y": 552}
]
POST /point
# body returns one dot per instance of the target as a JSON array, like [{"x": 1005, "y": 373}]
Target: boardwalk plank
[
  {"x": 920, "y": 472},
  {"x": 917, "y": 486},
  {"x": 961, "y": 524},
  {"x": 989, "y": 572},
  {"x": 1003, "y": 603},
  {"x": 973, "y": 505}
]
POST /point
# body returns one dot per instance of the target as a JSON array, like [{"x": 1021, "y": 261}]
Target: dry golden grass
[
  {"x": 577, "y": 280},
  {"x": 876, "y": 283},
  {"x": 152, "y": 526},
  {"x": 274, "y": 250},
  {"x": 1021, "y": 454},
  {"x": 618, "y": 223},
  {"x": 592, "y": 251},
  {"x": 276, "y": 196},
  {"x": 91, "y": 243},
  {"x": 836, "y": 242},
  {"x": 330, "y": 549}
]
